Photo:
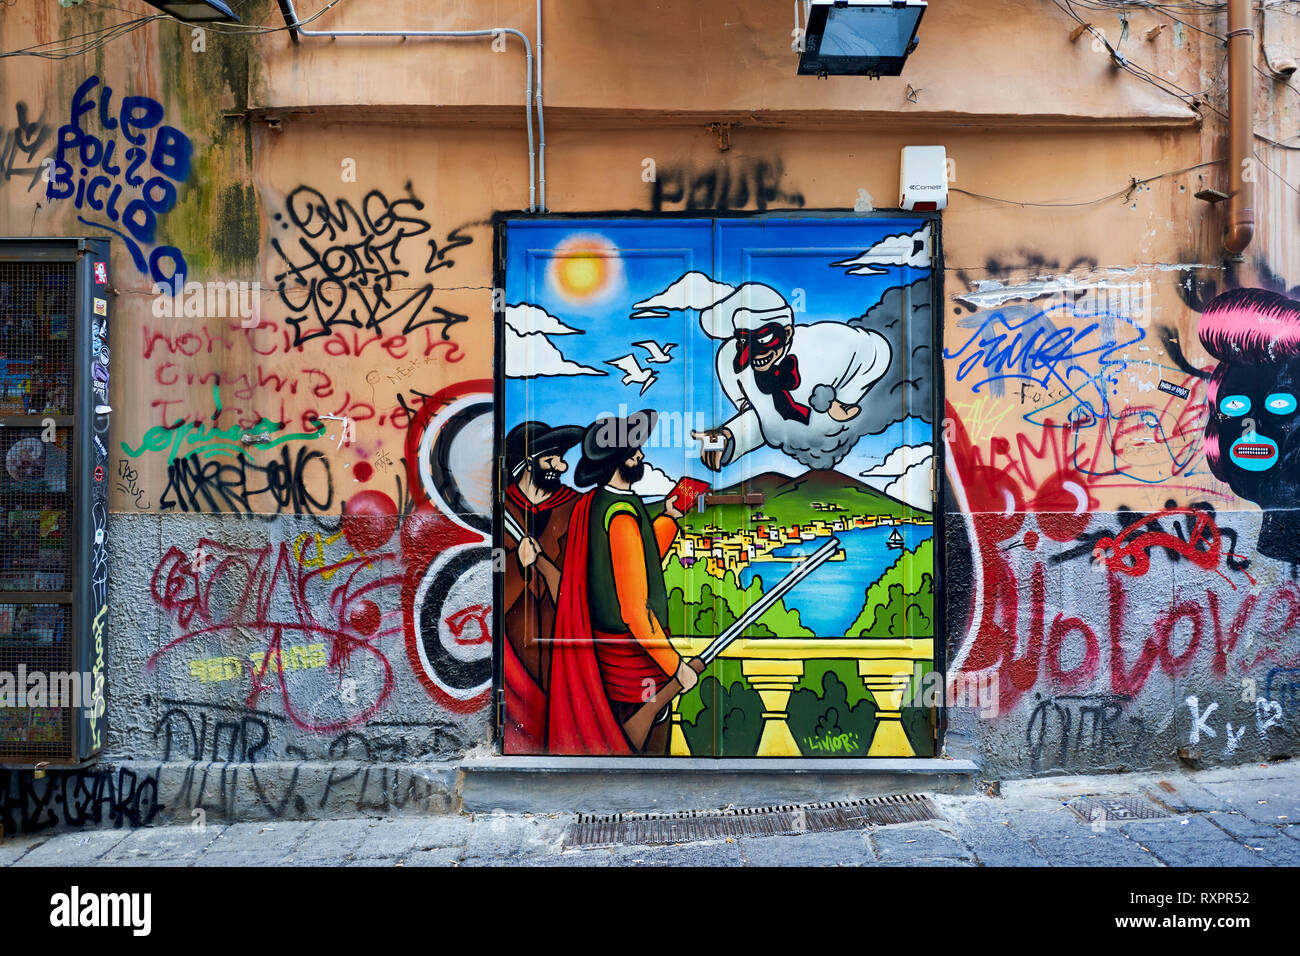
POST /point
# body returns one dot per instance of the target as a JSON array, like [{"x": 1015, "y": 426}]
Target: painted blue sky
[{"x": 794, "y": 256}]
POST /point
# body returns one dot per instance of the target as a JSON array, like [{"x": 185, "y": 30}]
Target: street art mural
[
  {"x": 1109, "y": 571},
  {"x": 1251, "y": 438},
  {"x": 716, "y": 487}
]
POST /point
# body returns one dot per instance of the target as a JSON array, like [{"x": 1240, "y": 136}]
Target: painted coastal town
[{"x": 736, "y": 551}]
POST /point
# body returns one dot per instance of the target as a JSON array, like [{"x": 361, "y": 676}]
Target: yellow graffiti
[
  {"x": 318, "y": 561},
  {"x": 97, "y": 675},
  {"x": 981, "y": 417},
  {"x": 217, "y": 669}
]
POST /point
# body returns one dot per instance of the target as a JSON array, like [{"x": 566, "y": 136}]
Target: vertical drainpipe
[
  {"x": 541, "y": 121},
  {"x": 1240, "y": 228}
]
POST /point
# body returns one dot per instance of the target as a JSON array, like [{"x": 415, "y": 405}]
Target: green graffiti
[{"x": 212, "y": 441}]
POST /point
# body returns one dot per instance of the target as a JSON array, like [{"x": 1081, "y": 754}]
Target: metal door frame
[{"x": 500, "y": 224}]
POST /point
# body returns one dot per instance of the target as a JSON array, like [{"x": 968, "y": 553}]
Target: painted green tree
[
  {"x": 825, "y": 725},
  {"x": 729, "y": 721},
  {"x": 901, "y": 601},
  {"x": 701, "y": 605}
]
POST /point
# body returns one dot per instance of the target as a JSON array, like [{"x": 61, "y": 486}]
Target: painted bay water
[{"x": 831, "y": 598}]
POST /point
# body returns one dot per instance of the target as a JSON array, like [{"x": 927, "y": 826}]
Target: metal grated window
[
  {"x": 37, "y": 321},
  {"x": 37, "y": 312},
  {"x": 35, "y": 541},
  {"x": 655, "y": 828}
]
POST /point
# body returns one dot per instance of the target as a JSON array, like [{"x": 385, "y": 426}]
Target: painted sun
[{"x": 586, "y": 268}]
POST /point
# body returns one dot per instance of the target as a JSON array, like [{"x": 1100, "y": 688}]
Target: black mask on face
[
  {"x": 750, "y": 344},
  {"x": 1259, "y": 431},
  {"x": 632, "y": 475}
]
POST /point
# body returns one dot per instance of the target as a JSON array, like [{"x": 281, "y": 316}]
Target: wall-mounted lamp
[
  {"x": 203, "y": 11},
  {"x": 859, "y": 37}
]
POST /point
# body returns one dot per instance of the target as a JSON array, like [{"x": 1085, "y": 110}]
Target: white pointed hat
[{"x": 752, "y": 306}]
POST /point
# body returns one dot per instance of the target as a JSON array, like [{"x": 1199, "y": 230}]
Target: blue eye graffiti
[
  {"x": 1236, "y": 405},
  {"x": 1280, "y": 403}
]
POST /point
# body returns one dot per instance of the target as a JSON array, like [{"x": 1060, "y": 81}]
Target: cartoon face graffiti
[{"x": 1252, "y": 434}]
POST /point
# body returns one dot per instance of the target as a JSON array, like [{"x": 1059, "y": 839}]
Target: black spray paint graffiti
[
  {"x": 216, "y": 792},
  {"x": 204, "y": 732},
  {"x": 128, "y": 484},
  {"x": 752, "y": 184},
  {"x": 1085, "y": 726},
  {"x": 299, "y": 482},
  {"x": 20, "y": 146},
  {"x": 203, "y": 735},
  {"x": 345, "y": 266},
  {"x": 77, "y": 798}
]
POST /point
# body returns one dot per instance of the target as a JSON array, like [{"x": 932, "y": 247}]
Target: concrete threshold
[{"x": 665, "y": 784}]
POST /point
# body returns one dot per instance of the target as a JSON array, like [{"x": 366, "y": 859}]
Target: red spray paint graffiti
[
  {"x": 998, "y": 500},
  {"x": 269, "y": 599},
  {"x": 446, "y": 591}
]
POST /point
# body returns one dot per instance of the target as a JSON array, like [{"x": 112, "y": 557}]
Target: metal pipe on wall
[
  {"x": 541, "y": 121},
  {"x": 456, "y": 34},
  {"x": 1240, "y": 227}
]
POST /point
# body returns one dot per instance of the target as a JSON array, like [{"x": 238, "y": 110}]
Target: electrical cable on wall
[{"x": 1126, "y": 191}]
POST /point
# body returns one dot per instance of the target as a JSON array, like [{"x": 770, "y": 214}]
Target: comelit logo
[{"x": 133, "y": 910}]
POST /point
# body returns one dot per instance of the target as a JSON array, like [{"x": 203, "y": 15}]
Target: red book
[{"x": 686, "y": 491}]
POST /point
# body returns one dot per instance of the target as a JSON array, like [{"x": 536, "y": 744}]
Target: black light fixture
[
  {"x": 196, "y": 11},
  {"x": 859, "y": 37}
]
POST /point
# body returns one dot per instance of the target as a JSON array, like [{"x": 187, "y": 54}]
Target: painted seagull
[
  {"x": 658, "y": 353},
  {"x": 633, "y": 373}
]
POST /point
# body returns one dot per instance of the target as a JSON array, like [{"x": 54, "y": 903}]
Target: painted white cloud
[
  {"x": 904, "y": 249},
  {"x": 655, "y": 483},
  {"x": 532, "y": 354},
  {"x": 905, "y": 475},
  {"x": 913, "y": 487},
  {"x": 896, "y": 463},
  {"x": 694, "y": 290},
  {"x": 527, "y": 319}
]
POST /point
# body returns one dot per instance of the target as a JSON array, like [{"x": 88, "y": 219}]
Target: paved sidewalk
[{"x": 1242, "y": 816}]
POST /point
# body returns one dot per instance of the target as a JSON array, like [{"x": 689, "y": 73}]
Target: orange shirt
[{"x": 630, "y": 583}]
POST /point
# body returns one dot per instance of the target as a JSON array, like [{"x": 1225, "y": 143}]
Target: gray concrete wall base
[
  {"x": 603, "y": 785},
  {"x": 138, "y": 793}
]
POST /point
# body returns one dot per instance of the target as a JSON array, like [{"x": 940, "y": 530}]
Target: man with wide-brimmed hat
[
  {"x": 538, "y": 504},
  {"x": 612, "y": 654}
]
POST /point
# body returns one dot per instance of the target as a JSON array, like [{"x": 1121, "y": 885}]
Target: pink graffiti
[{"x": 265, "y": 598}]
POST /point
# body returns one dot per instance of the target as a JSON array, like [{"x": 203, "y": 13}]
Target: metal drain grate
[
  {"x": 683, "y": 827},
  {"x": 1111, "y": 809}
]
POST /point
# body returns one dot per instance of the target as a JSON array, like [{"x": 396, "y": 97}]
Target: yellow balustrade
[{"x": 774, "y": 666}]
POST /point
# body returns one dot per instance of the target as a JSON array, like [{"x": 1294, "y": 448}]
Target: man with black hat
[
  {"x": 612, "y": 654},
  {"x": 538, "y": 504}
]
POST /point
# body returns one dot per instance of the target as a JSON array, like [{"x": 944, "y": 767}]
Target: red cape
[
  {"x": 525, "y": 730},
  {"x": 580, "y": 720}
]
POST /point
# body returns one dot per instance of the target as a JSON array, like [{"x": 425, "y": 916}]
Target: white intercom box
[{"x": 923, "y": 183}]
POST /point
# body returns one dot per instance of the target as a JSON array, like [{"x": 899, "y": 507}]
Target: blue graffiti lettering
[
  {"x": 95, "y": 187},
  {"x": 1005, "y": 346}
]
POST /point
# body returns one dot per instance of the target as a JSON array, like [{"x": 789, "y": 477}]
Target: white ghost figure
[{"x": 798, "y": 388}]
